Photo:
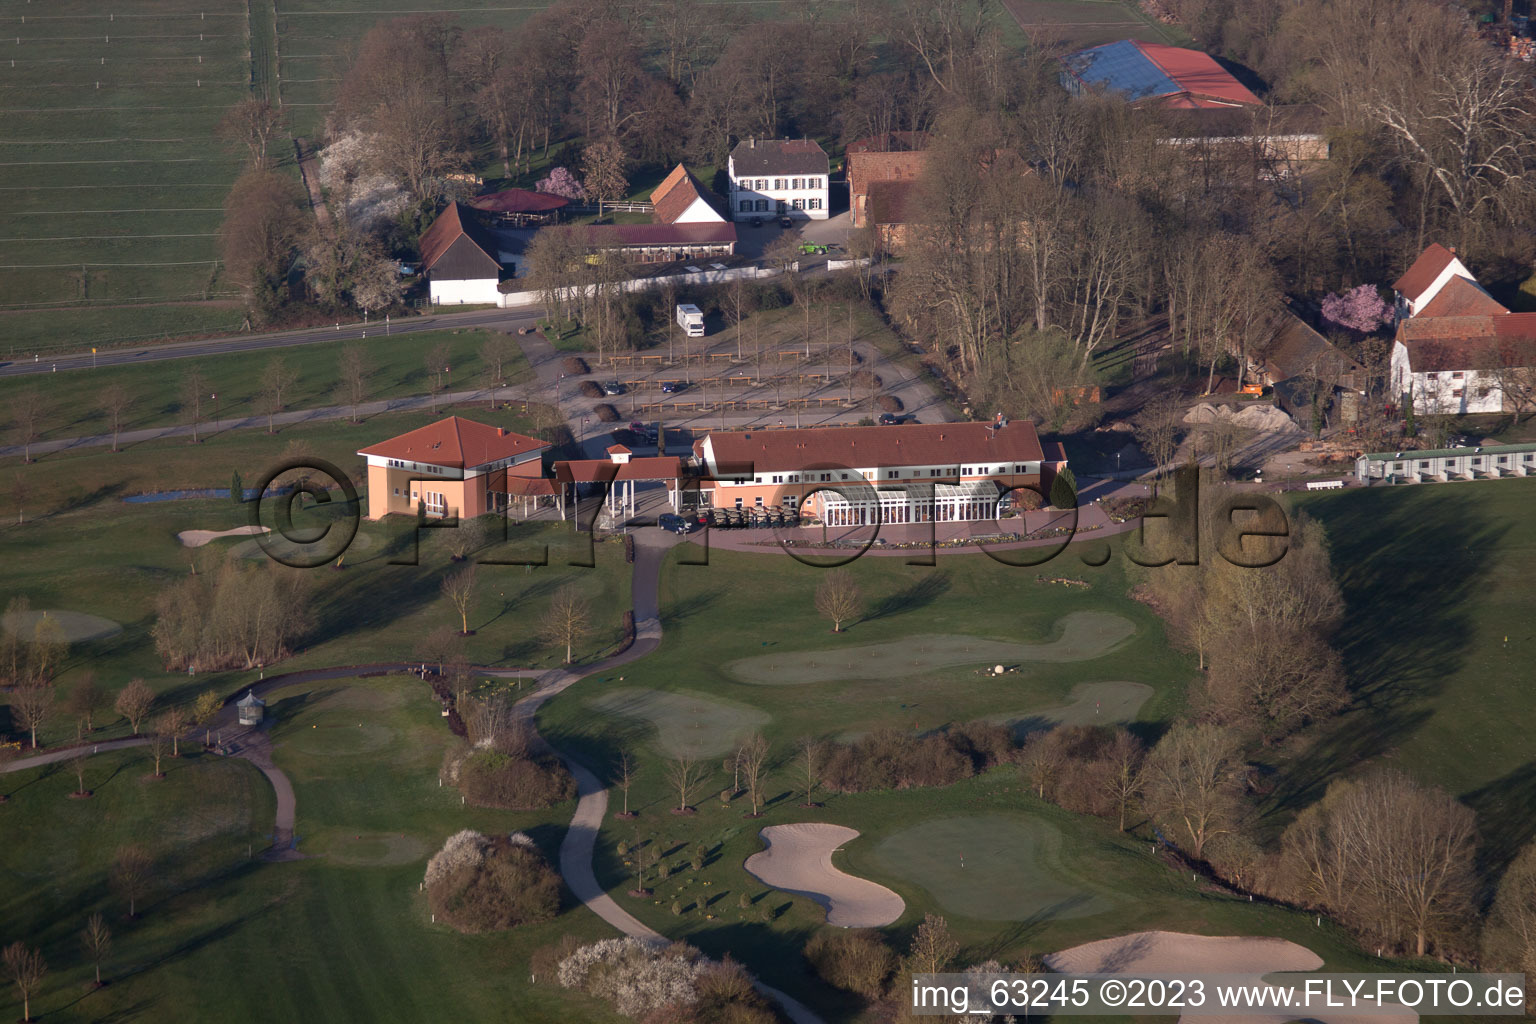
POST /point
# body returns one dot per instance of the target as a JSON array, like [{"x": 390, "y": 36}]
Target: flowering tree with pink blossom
[
  {"x": 561, "y": 182},
  {"x": 1360, "y": 309}
]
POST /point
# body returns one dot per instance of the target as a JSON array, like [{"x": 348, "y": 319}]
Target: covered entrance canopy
[{"x": 622, "y": 475}]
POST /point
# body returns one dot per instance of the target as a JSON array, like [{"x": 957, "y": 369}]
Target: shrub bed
[
  {"x": 589, "y": 389},
  {"x": 893, "y": 759},
  {"x": 478, "y": 883},
  {"x": 889, "y": 403},
  {"x": 513, "y": 782},
  {"x": 607, "y": 413},
  {"x": 575, "y": 366}
]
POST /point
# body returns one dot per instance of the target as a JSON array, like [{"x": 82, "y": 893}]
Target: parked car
[
  {"x": 756, "y": 222},
  {"x": 672, "y": 387},
  {"x": 674, "y": 524},
  {"x": 786, "y": 221},
  {"x": 613, "y": 387}
]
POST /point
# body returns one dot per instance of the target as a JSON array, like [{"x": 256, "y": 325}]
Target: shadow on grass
[
  {"x": 1410, "y": 565},
  {"x": 921, "y": 592}
]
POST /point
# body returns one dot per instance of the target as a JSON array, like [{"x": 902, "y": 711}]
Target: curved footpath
[{"x": 577, "y": 848}]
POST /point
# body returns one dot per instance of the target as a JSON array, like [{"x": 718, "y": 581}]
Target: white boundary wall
[{"x": 641, "y": 284}]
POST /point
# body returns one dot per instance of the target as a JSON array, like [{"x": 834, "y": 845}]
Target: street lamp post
[{"x": 217, "y": 425}]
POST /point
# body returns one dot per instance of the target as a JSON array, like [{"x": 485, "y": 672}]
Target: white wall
[
  {"x": 700, "y": 212},
  {"x": 477, "y": 292},
  {"x": 1455, "y": 268},
  {"x": 1435, "y": 393},
  {"x": 641, "y": 284}
]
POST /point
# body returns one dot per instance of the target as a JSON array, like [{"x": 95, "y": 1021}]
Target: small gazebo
[{"x": 250, "y": 708}]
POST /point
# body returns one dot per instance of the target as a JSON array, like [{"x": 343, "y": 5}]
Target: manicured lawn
[
  {"x": 1439, "y": 639},
  {"x": 343, "y": 936},
  {"x": 83, "y": 549},
  {"x": 397, "y": 368}
]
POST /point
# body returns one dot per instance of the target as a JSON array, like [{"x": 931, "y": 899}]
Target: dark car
[
  {"x": 786, "y": 221},
  {"x": 756, "y": 222},
  {"x": 613, "y": 387},
  {"x": 674, "y": 524},
  {"x": 890, "y": 419},
  {"x": 672, "y": 387}
]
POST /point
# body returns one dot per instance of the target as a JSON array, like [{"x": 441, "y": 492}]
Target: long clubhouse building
[
  {"x": 841, "y": 476},
  {"x": 852, "y": 476}
]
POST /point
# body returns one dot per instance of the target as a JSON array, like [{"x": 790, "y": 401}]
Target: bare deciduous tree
[
  {"x": 32, "y": 702},
  {"x": 354, "y": 369},
  {"x": 1390, "y": 857},
  {"x": 752, "y": 757},
  {"x": 85, "y": 700},
  {"x": 684, "y": 773},
  {"x": 838, "y": 598},
  {"x": 26, "y": 967},
  {"x": 568, "y": 619},
  {"x": 27, "y": 412},
  {"x": 1122, "y": 781},
  {"x": 1192, "y": 783},
  {"x": 624, "y": 775},
  {"x": 133, "y": 702},
  {"x": 131, "y": 872},
  {"x": 115, "y": 401},
  {"x": 602, "y": 167},
  {"x": 205, "y": 710},
  {"x": 77, "y": 765},
  {"x": 277, "y": 379},
  {"x": 810, "y": 765},
  {"x": 251, "y": 125},
  {"x": 194, "y": 391},
  {"x": 459, "y": 588},
  {"x": 933, "y": 948},
  {"x": 96, "y": 938}
]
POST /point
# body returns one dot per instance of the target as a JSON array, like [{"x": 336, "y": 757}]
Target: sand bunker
[
  {"x": 1080, "y": 636},
  {"x": 993, "y": 867},
  {"x": 685, "y": 723},
  {"x": 1180, "y": 954},
  {"x": 78, "y": 626},
  {"x": 197, "y": 538},
  {"x": 1110, "y": 703},
  {"x": 799, "y": 860}
]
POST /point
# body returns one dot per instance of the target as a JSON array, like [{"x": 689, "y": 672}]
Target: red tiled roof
[
  {"x": 676, "y": 193},
  {"x": 1417, "y": 278},
  {"x": 454, "y": 222},
  {"x": 529, "y": 486},
  {"x": 519, "y": 200},
  {"x": 1462, "y": 297},
  {"x": 666, "y": 467},
  {"x": 456, "y": 443},
  {"x": 890, "y": 201},
  {"x": 912, "y": 444},
  {"x": 1198, "y": 73},
  {"x": 586, "y": 471}
]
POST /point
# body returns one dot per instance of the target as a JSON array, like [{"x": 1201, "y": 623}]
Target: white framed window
[
  {"x": 796, "y": 184},
  {"x": 778, "y": 183},
  {"x": 799, "y": 204},
  {"x": 746, "y": 206},
  {"x": 758, "y": 501},
  {"x": 762, "y": 206},
  {"x": 789, "y": 501},
  {"x": 738, "y": 503},
  {"x": 815, "y": 204},
  {"x": 778, "y": 478}
]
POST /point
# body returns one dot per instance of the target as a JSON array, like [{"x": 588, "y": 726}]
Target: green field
[
  {"x": 1438, "y": 643},
  {"x": 398, "y": 369},
  {"x": 341, "y": 936},
  {"x": 113, "y": 183}
]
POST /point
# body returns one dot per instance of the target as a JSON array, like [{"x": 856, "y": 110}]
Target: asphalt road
[{"x": 282, "y": 339}]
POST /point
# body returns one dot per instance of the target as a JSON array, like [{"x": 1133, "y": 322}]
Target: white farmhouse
[
  {"x": 778, "y": 177},
  {"x": 1457, "y": 349}
]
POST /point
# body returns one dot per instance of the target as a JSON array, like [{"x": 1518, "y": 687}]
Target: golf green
[
  {"x": 78, "y": 627},
  {"x": 1080, "y": 636},
  {"x": 992, "y": 867},
  {"x": 686, "y": 724}
]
